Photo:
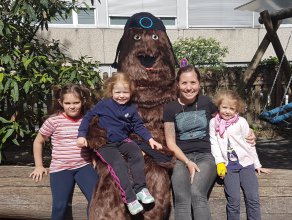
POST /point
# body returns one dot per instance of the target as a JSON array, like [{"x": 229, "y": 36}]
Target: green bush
[
  {"x": 270, "y": 61},
  {"x": 200, "y": 51},
  {"x": 30, "y": 66}
]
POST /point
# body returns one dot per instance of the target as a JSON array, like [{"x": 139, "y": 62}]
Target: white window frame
[{"x": 75, "y": 19}]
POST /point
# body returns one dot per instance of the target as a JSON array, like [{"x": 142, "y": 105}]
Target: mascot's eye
[
  {"x": 137, "y": 37},
  {"x": 155, "y": 37}
]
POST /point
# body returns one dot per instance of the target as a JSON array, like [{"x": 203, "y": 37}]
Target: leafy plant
[
  {"x": 30, "y": 66},
  {"x": 270, "y": 61},
  {"x": 200, "y": 51}
]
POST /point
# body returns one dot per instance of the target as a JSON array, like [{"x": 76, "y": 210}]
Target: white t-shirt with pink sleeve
[{"x": 65, "y": 153}]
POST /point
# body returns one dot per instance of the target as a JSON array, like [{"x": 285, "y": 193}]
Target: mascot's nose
[{"x": 146, "y": 60}]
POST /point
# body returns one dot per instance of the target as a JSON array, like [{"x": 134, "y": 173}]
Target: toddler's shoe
[
  {"x": 144, "y": 196},
  {"x": 135, "y": 207}
]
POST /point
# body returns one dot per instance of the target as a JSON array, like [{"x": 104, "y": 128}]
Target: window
[
  {"x": 118, "y": 20},
  {"x": 202, "y": 13},
  {"x": 86, "y": 15},
  {"x": 166, "y": 10},
  {"x": 59, "y": 20}
]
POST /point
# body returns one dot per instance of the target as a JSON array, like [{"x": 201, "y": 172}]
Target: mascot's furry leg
[{"x": 107, "y": 202}]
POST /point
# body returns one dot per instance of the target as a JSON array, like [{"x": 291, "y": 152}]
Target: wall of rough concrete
[{"x": 100, "y": 44}]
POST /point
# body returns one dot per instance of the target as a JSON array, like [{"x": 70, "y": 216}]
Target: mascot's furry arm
[
  {"x": 96, "y": 135},
  {"x": 145, "y": 53}
]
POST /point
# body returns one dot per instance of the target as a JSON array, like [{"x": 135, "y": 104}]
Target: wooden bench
[{"x": 21, "y": 198}]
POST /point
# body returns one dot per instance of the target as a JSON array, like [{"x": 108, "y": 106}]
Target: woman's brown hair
[{"x": 188, "y": 68}]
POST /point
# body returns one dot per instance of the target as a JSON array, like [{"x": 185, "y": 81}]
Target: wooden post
[
  {"x": 279, "y": 15},
  {"x": 276, "y": 44},
  {"x": 271, "y": 36},
  {"x": 250, "y": 71}
]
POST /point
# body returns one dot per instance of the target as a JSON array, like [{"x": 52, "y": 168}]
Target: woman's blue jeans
[{"x": 189, "y": 197}]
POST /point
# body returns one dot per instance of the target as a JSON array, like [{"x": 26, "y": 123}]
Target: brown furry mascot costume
[{"x": 145, "y": 53}]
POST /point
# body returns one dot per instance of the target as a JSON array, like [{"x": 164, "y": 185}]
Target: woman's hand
[
  {"x": 37, "y": 174},
  {"x": 154, "y": 144},
  {"x": 193, "y": 168}
]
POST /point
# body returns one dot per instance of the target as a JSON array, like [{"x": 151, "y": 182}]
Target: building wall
[{"x": 101, "y": 43}]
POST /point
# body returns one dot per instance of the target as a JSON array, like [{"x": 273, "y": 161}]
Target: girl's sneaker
[
  {"x": 135, "y": 207},
  {"x": 144, "y": 196}
]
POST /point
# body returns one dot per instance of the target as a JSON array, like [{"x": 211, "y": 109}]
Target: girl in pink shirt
[{"x": 70, "y": 164}]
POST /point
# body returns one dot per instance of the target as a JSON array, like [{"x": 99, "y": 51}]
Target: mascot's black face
[{"x": 146, "y": 55}]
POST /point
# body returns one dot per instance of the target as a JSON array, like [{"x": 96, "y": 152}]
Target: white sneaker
[
  {"x": 144, "y": 196},
  {"x": 135, "y": 207}
]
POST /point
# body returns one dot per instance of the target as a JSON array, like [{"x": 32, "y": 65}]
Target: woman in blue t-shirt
[{"x": 186, "y": 126}]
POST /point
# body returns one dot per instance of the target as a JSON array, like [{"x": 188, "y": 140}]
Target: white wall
[{"x": 101, "y": 43}]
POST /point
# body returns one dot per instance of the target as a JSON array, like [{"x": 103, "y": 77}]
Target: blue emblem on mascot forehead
[{"x": 146, "y": 22}]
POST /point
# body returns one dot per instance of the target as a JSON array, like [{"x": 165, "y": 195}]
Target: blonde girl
[
  {"x": 236, "y": 159},
  {"x": 119, "y": 117}
]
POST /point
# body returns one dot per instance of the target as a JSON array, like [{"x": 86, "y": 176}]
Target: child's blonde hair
[
  {"x": 230, "y": 95},
  {"x": 118, "y": 77}
]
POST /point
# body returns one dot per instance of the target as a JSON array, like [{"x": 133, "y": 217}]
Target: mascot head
[{"x": 145, "y": 53}]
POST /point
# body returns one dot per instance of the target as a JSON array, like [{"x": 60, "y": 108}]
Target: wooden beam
[
  {"x": 285, "y": 67},
  {"x": 248, "y": 76},
  {"x": 279, "y": 15},
  {"x": 272, "y": 26}
]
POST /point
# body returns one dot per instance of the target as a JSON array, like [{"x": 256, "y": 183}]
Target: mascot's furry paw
[{"x": 96, "y": 135}]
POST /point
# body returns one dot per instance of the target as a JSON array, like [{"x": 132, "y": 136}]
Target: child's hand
[
  {"x": 221, "y": 170},
  {"x": 263, "y": 170},
  {"x": 81, "y": 142},
  {"x": 154, "y": 144},
  {"x": 37, "y": 174}
]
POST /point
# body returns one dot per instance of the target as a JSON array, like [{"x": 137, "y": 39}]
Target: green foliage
[
  {"x": 30, "y": 66},
  {"x": 270, "y": 61},
  {"x": 200, "y": 51}
]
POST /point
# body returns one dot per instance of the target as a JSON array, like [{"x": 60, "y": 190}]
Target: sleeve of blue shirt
[
  {"x": 139, "y": 127},
  {"x": 83, "y": 128}
]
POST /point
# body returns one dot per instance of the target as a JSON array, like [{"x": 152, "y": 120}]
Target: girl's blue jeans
[
  {"x": 246, "y": 179},
  {"x": 62, "y": 187},
  {"x": 189, "y": 197}
]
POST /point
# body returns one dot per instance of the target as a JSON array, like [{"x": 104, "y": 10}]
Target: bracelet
[{"x": 187, "y": 161}]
